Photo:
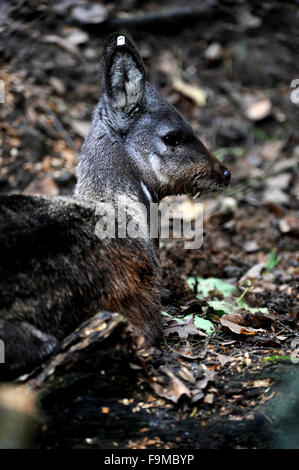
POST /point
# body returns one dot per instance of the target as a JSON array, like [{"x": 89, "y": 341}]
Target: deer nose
[{"x": 226, "y": 177}]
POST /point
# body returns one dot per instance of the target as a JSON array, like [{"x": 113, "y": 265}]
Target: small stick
[{"x": 58, "y": 125}]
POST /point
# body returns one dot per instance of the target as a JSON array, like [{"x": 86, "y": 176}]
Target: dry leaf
[
  {"x": 57, "y": 84},
  {"x": 183, "y": 329},
  {"x": 209, "y": 398},
  {"x": 62, "y": 42},
  {"x": 191, "y": 91},
  {"x": 214, "y": 51},
  {"x": 258, "y": 109},
  {"x": 254, "y": 272},
  {"x": 239, "y": 329},
  {"x": 223, "y": 359},
  {"x": 173, "y": 390},
  {"x": 251, "y": 246},
  {"x": 284, "y": 226},
  {"x": 45, "y": 185},
  {"x": 197, "y": 395},
  {"x": 277, "y": 195},
  {"x": 185, "y": 374},
  {"x": 258, "y": 383},
  {"x": 281, "y": 181},
  {"x": 271, "y": 150},
  {"x": 92, "y": 14},
  {"x": 203, "y": 382},
  {"x": 80, "y": 127}
]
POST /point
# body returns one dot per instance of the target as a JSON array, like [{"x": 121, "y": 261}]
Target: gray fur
[{"x": 125, "y": 143}]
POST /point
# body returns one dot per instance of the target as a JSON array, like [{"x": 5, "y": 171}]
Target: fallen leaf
[
  {"x": 223, "y": 359},
  {"x": 209, "y": 398},
  {"x": 284, "y": 226},
  {"x": 190, "y": 325},
  {"x": 281, "y": 181},
  {"x": 61, "y": 42},
  {"x": 271, "y": 150},
  {"x": 185, "y": 374},
  {"x": 239, "y": 329},
  {"x": 93, "y": 14},
  {"x": 173, "y": 390},
  {"x": 45, "y": 185},
  {"x": 77, "y": 36},
  {"x": 203, "y": 382},
  {"x": 183, "y": 329},
  {"x": 254, "y": 272},
  {"x": 205, "y": 286},
  {"x": 258, "y": 383},
  {"x": 202, "y": 323},
  {"x": 58, "y": 85},
  {"x": 197, "y": 395},
  {"x": 257, "y": 109},
  {"x": 281, "y": 337},
  {"x": 214, "y": 51},
  {"x": 193, "y": 92},
  {"x": 251, "y": 246},
  {"x": 80, "y": 127},
  {"x": 230, "y": 306},
  {"x": 277, "y": 195}
]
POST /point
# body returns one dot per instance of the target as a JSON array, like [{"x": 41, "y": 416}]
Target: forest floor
[{"x": 227, "y": 374}]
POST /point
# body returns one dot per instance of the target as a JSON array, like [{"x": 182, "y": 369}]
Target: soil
[{"x": 236, "y": 388}]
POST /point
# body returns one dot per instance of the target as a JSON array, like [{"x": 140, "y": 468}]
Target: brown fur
[{"x": 55, "y": 273}]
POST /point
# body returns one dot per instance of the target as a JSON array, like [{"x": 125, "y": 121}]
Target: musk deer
[{"x": 55, "y": 272}]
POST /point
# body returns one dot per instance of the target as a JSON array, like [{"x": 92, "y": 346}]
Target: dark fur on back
[{"x": 55, "y": 273}]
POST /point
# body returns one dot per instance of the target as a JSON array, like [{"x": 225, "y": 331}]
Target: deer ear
[{"x": 124, "y": 73}]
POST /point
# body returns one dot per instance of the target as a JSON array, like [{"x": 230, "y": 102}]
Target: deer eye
[{"x": 173, "y": 139}]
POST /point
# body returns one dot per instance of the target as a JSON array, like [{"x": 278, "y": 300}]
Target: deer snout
[
  {"x": 223, "y": 174},
  {"x": 226, "y": 177},
  {"x": 220, "y": 172}
]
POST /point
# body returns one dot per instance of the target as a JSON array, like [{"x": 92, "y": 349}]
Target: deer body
[{"x": 138, "y": 148}]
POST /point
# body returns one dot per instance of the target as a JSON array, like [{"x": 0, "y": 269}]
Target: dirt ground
[{"x": 228, "y": 67}]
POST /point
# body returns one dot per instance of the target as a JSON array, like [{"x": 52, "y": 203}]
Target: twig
[
  {"x": 58, "y": 125},
  {"x": 166, "y": 16}
]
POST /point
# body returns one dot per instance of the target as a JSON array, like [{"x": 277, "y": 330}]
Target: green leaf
[
  {"x": 277, "y": 358},
  {"x": 165, "y": 313},
  {"x": 261, "y": 134},
  {"x": 203, "y": 324},
  {"x": 272, "y": 261},
  {"x": 205, "y": 286},
  {"x": 224, "y": 306},
  {"x": 223, "y": 152},
  {"x": 255, "y": 309}
]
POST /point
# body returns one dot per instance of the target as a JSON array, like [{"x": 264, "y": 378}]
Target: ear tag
[{"x": 121, "y": 40}]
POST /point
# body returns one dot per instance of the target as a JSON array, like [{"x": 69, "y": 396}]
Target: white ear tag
[{"x": 121, "y": 40}]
